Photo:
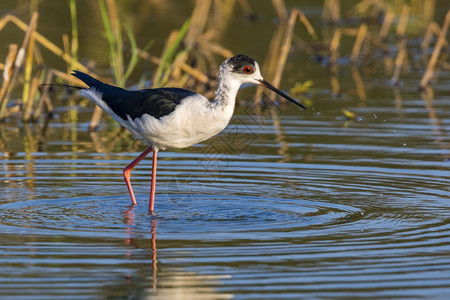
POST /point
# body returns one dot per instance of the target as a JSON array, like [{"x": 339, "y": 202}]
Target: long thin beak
[{"x": 272, "y": 88}]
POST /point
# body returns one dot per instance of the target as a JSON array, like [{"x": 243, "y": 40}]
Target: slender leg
[
  {"x": 127, "y": 171},
  {"x": 152, "y": 190}
]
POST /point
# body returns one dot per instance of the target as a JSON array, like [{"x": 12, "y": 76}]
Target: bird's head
[{"x": 243, "y": 69}]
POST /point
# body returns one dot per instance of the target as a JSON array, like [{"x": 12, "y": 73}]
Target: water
[{"x": 288, "y": 204}]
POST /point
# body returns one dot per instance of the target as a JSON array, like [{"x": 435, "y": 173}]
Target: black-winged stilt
[{"x": 173, "y": 117}]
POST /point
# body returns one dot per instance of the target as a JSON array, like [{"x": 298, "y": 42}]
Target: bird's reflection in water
[
  {"x": 174, "y": 283},
  {"x": 129, "y": 217}
]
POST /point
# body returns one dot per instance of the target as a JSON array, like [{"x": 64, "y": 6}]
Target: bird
[{"x": 174, "y": 117}]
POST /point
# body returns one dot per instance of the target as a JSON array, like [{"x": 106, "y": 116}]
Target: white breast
[{"x": 194, "y": 120}]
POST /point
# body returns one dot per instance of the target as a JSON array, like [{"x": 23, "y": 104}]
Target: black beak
[{"x": 272, "y": 88}]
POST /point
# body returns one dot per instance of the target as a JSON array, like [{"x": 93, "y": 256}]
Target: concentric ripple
[{"x": 83, "y": 216}]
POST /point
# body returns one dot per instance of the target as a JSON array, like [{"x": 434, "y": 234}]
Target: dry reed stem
[
  {"x": 178, "y": 78},
  {"x": 286, "y": 45},
  {"x": 74, "y": 45},
  {"x": 66, "y": 49},
  {"x": 435, "y": 55},
  {"x": 38, "y": 56},
  {"x": 387, "y": 22},
  {"x": 245, "y": 6},
  {"x": 18, "y": 63},
  {"x": 7, "y": 77},
  {"x": 185, "y": 67},
  {"x": 198, "y": 20},
  {"x": 403, "y": 20},
  {"x": 41, "y": 39},
  {"x": 349, "y": 31},
  {"x": 360, "y": 37},
  {"x": 432, "y": 29},
  {"x": 216, "y": 48},
  {"x": 334, "y": 46},
  {"x": 222, "y": 15},
  {"x": 331, "y": 11},
  {"x": 44, "y": 97},
  {"x": 364, "y": 6},
  {"x": 282, "y": 51},
  {"x": 269, "y": 65},
  {"x": 280, "y": 9},
  {"x": 27, "y": 107},
  {"x": 27, "y": 93}
]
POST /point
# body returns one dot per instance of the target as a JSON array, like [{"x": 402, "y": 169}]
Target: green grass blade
[
  {"x": 169, "y": 54},
  {"x": 74, "y": 44},
  {"x": 135, "y": 58},
  {"x": 112, "y": 41}
]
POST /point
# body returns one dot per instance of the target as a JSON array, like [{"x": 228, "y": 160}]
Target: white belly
[{"x": 193, "y": 121}]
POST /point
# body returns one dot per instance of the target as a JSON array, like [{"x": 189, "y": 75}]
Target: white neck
[{"x": 226, "y": 91}]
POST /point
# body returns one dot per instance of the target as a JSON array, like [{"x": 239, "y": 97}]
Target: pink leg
[
  {"x": 152, "y": 190},
  {"x": 127, "y": 172}
]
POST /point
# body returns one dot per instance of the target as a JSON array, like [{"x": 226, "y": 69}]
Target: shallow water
[{"x": 289, "y": 204}]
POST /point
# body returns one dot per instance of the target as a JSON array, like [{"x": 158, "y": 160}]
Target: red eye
[{"x": 248, "y": 69}]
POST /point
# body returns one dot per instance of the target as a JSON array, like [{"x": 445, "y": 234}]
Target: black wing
[{"x": 155, "y": 102}]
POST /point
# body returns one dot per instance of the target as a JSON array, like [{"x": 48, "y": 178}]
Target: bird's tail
[
  {"x": 89, "y": 80},
  {"x": 106, "y": 89}
]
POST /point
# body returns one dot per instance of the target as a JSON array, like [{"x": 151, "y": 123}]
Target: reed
[
  {"x": 20, "y": 58},
  {"x": 280, "y": 9},
  {"x": 169, "y": 53},
  {"x": 435, "y": 55},
  {"x": 191, "y": 52},
  {"x": 114, "y": 38},
  {"x": 7, "y": 77},
  {"x": 280, "y": 46},
  {"x": 403, "y": 21},
  {"x": 27, "y": 91},
  {"x": 74, "y": 44},
  {"x": 360, "y": 37},
  {"x": 287, "y": 41},
  {"x": 433, "y": 29},
  {"x": 331, "y": 11},
  {"x": 387, "y": 22},
  {"x": 41, "y": 40},
  {"x": 334, "y": 46}
]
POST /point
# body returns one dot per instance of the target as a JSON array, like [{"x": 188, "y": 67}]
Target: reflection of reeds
[
  {"x": 401, "y": 56},
  {"x": 437, "y": 50}
]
